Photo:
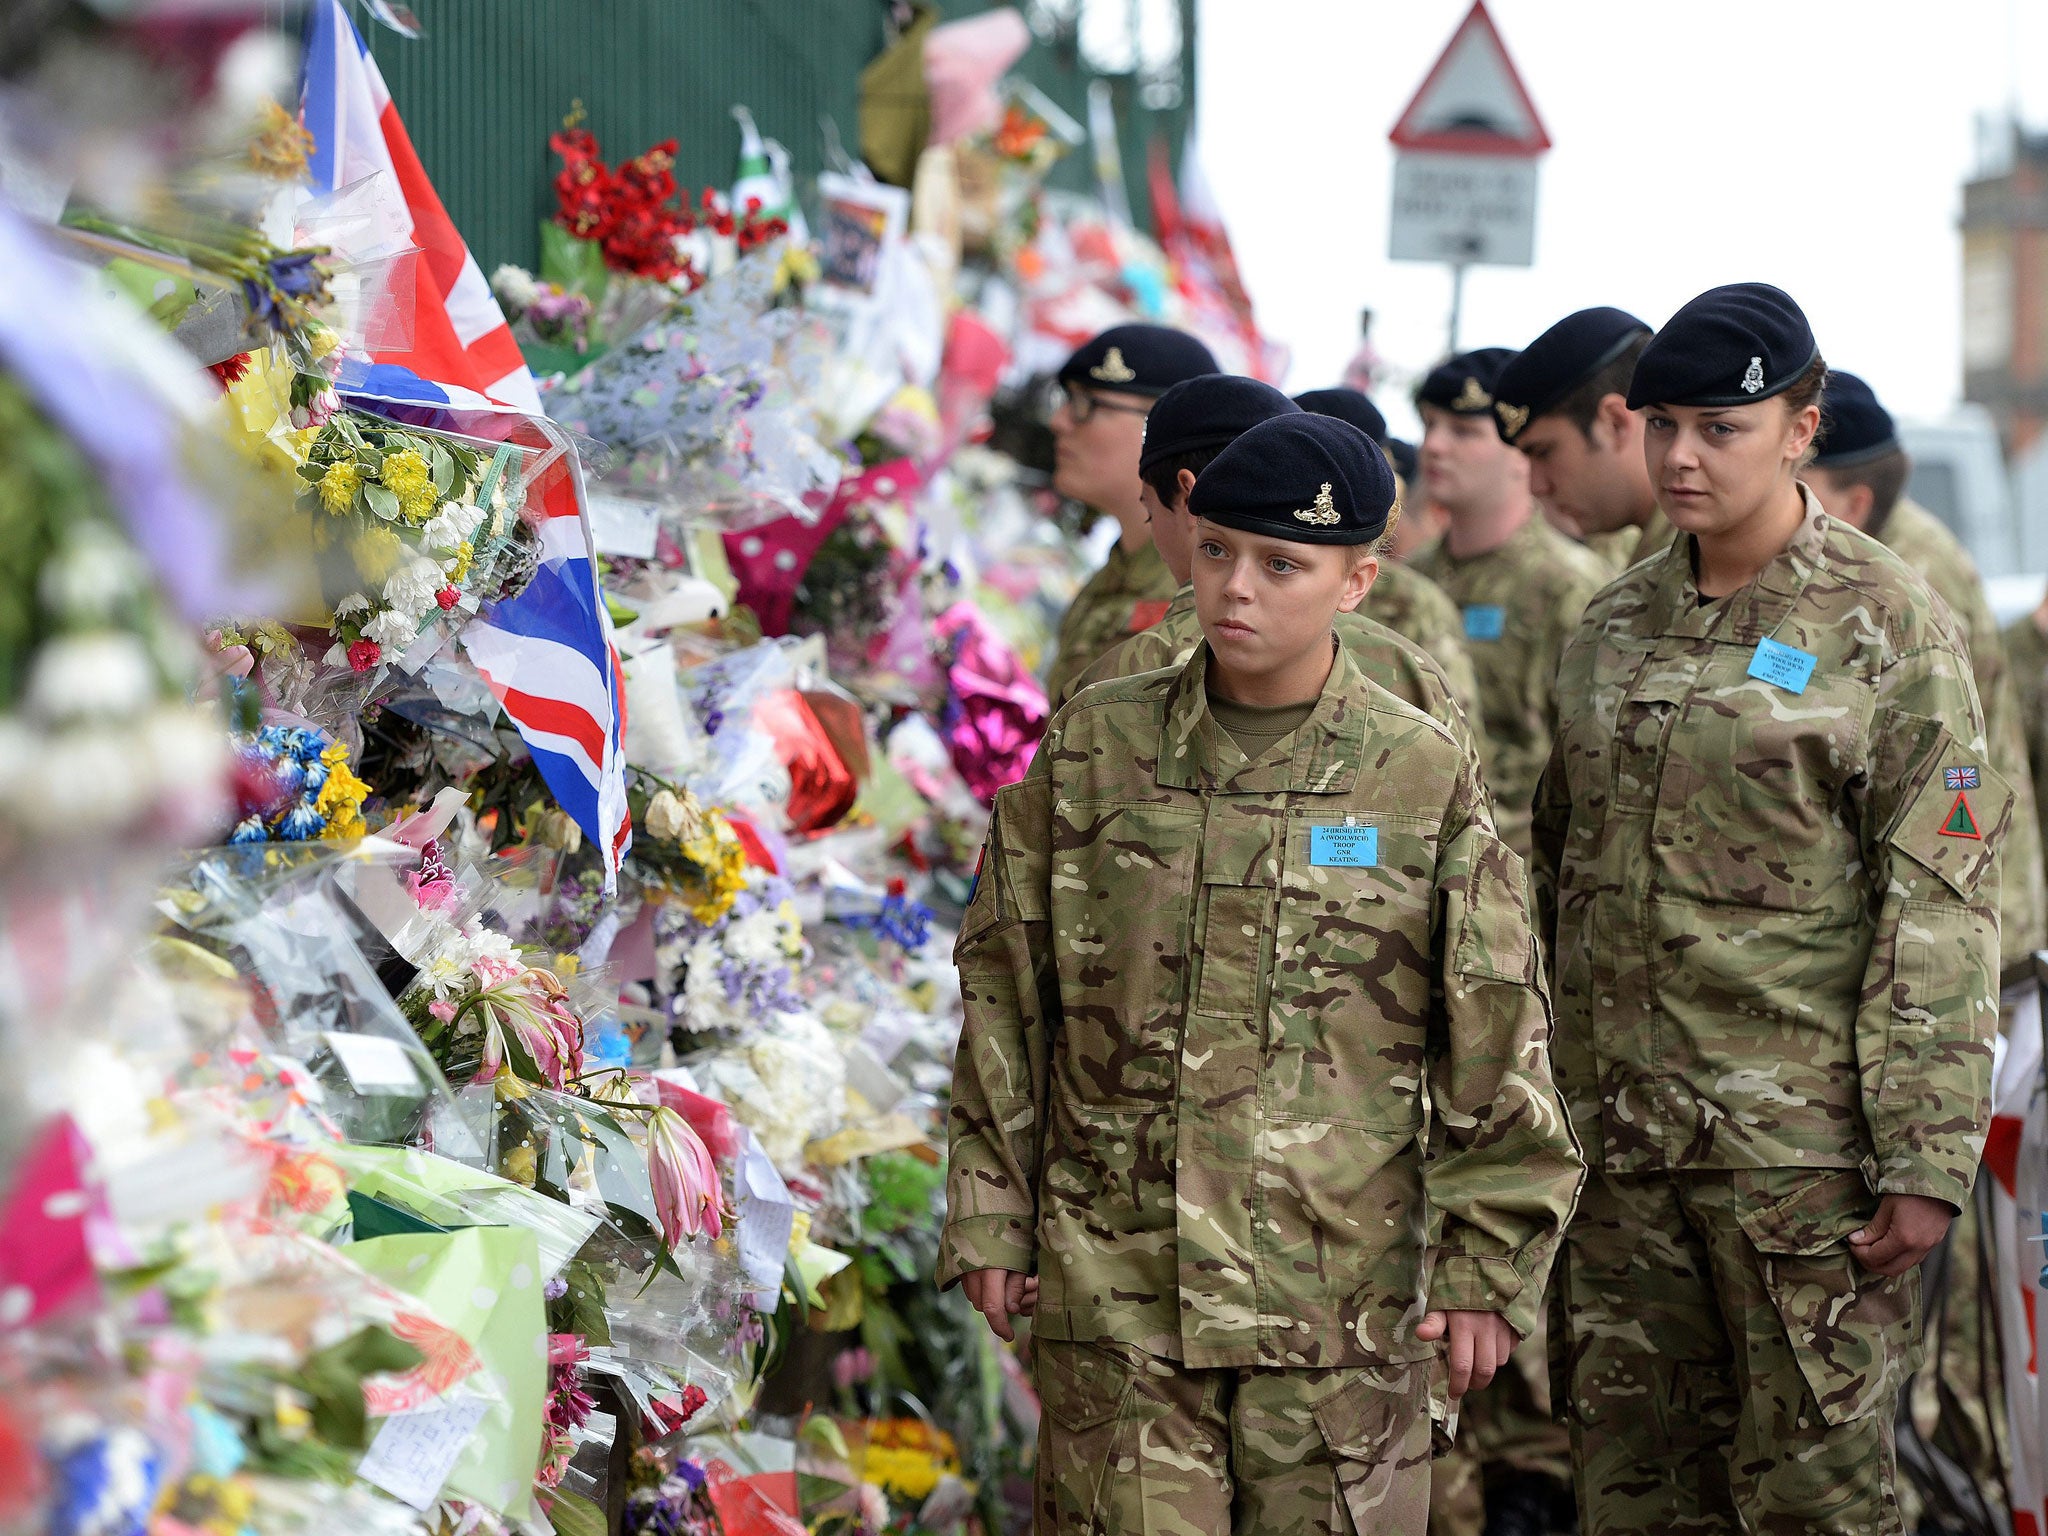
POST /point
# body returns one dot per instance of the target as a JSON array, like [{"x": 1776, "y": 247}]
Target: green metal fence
[{"x": 492, "y": 78}]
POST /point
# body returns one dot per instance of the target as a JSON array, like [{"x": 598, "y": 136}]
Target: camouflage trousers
[
  {"x": 1728, "y": 1366},
  {"x": 1505, "y": 1426},
  {"x": 1133, "y": 1445}
]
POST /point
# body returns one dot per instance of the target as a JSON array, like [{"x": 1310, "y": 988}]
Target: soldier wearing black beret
[
  {"x": 1563, "y": 402},
  {"x": 1859, "y": 473},
  {"x": 1107, "y": 388},
  {"x": 1767, "y": 849},
  {"x": 1519, "y": 584},
  {"x": 1252, "y": 1074},
  {"x": 1403, "y": 599}
]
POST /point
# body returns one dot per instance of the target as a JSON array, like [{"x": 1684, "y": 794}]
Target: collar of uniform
[
  {"x": 1183, "y": 602},
  {"x": 1746, "y": 616},
  {"x": 1198, "y": 754}
]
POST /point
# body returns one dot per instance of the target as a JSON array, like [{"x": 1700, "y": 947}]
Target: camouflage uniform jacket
[
  {"x": 1127, "y": 594},
  {"x": 1918, "y": 537},
  {"x": 1394, "y": 661},
  {"x": 1774, "y": 910},
  {"x": 1521, "y": 602},
  {"x": 1415, "y": 608},
  {"x": 2026, "y": 649},
  {"x": 1255, "y": 1057},
  {"x": 1625, "y": 546}
]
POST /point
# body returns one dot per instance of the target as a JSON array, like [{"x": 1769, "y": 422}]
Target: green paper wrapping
[{"x": 485, "y": 1283}]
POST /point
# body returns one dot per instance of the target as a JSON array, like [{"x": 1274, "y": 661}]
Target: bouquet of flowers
[
  {"x": 293, "y": 785},
  {"x": 411, "y": 521}
]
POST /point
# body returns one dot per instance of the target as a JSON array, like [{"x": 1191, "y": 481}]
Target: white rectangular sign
[{"x": 1468, "y": 209}]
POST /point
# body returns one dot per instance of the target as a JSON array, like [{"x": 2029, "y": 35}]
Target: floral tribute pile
[{"x": 387, "y": 1146}]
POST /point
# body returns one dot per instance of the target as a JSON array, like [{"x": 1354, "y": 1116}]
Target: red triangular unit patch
[
  {"x": 1145, "y": 614},
  {"x": 1961, "y": 822}
]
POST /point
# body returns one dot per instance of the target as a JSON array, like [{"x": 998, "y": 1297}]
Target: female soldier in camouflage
[
  {"x": 1764, "y": 865},
  {"x": 1253, "y": 1077}
]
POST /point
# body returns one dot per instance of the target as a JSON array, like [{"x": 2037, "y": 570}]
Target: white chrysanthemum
[
  {"x": 74, "y": 676},
  {"x": 355, "y": 602},
  {"x": 412, "y": 586},
  {"x": 393, "y": 631},
  {"x": 756, "y": 937},
  {"x": 515, "y": 288}
]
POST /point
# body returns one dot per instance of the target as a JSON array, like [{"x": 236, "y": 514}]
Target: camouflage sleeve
[
  {"x": 1009, "y": 986},
  {"x": 2022, "y": 888},
  {"x": 1503, "y": 1166},
  {"x": 1934, "y": 814},
  {"x": 1548, "y": 827}
]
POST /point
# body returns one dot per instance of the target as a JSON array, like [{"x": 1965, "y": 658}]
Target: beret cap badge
[
  {"x": 1512, "y": 418},
  {"x": 1473, "y": 397},
  {"x": 1324, "y": 514},
  {"x": 1113, "y": 369},
  {"x": 1753, "y": 378}
]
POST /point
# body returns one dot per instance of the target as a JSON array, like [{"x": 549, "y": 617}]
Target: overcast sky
[{"x": 1816, "y": 144}]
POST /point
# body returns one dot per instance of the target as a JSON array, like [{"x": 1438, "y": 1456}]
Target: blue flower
[
  {"x": 250, "y": 830},
  {"x": 301, "y": 823}
]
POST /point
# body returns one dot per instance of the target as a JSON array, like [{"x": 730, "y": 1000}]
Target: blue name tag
[
  {"x": 1345, "y": 847},
  {"x": 1485, "y": 621},
  {"x": 1782, "y": 666}
]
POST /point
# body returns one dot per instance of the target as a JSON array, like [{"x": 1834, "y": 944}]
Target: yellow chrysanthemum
[
  {"x": 377, "y": 552},
  {"x": 458, "y": 569},
  {"x": 341, "y": 797},
  {"x": 407, "y": 476},
  {"x": 339, "y": 485},
  {"x": 718, "y": 852}
]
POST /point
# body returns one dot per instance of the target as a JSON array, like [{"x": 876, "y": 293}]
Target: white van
[{"x": 1959, "y": 475}]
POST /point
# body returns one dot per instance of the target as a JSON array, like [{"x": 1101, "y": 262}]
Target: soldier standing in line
[
  {"x": 2026, "y": 648},
  {"x": 1859, "y": 473},
  {"x": 1107, "y": 387},
  {"x": 1519, "y": 584},
  {"x": 1403, "y": 599},
  {"x": 1253, "y": 1078},
  {"x": 1766, "y": 867},
  {"x": 1562, "y": 401},
  {"x": 1193, "y": 423}
]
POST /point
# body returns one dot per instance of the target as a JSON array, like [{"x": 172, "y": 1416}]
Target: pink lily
[
  {"x": 687, "y": 1198},
  {"x": 534, "y": 1007}
]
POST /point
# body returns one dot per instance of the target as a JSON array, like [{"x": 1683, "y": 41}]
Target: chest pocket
[
  {"x": 1347, "y": 1019},
  {"x": 1758, "y": 821},
  {"x": 1643, "y": 717},
  {"x": 1234, "y": 917}
]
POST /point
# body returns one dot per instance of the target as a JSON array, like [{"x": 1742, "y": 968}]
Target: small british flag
[{"x": 1960, "y": 778}]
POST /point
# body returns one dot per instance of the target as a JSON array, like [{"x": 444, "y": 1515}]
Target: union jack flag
[
  {"x": 1961, "y": 778},
  {"x": 547, "y": 654}
]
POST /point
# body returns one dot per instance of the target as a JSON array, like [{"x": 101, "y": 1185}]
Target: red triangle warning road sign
[{"x": 1472, "y": 101}]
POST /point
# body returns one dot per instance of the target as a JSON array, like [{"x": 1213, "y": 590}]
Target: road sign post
[{"x": 1465, "y": 171}]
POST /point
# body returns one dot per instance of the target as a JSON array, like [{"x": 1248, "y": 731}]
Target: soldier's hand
[
  {"x": 1477, "y": 1345},
  {"x": 999, "y": 1294},
  {"x": 1904, "y": 1231}
]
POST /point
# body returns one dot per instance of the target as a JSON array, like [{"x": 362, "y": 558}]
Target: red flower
[
  {"x": 364, "y": 654},
  {"x": 447, "y": 597},
  {"x": 229, "y": 370}
]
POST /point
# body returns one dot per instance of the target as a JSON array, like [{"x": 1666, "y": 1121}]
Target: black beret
[
  {"x": 1138, "y": 360},
  {"x": 1854, "y": 427},
  {"x": 1208, "y": 412},
  {"x": 1729, "y": 346},
  {"x": 1306, "y": 478},
  {"x": 1463, "y": 383},
  {"x": 1406, "y": 459},
  {"x": 1558, "y": 362},
  {"x": 1346, "y": 405}
]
